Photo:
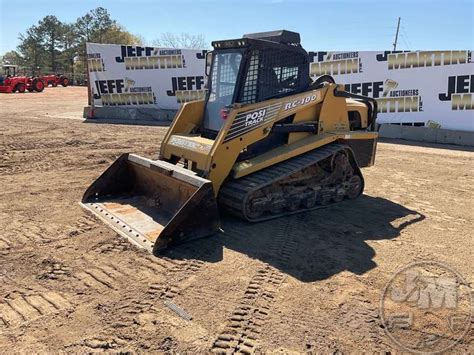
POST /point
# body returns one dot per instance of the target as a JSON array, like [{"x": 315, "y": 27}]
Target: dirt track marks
[
  {"x": 32, "y": 233},
  {"x": 244, "y": 325},
  {"x": 168, "y": 289},
  {"x": 54, "y": 270},
  {"x": 83, "y": 224},
  {"x": 102, "y": 278},
  {"x": 117, "y": 246},
  {"x": 105, "y": 343},
  {"x": 363, "y": 319},
  {"x": 24, "y": 308},
  {"x": 138, "y": 307},
  {"x": 147, "y": 264},
  {"x": 22, "y": 157},
  {"x": 18, "y": 237},
  {"x": 241, "y": 332},
  {"x": 5, "y": 245}
]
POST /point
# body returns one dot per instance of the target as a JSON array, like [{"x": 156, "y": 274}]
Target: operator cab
[
  {"x": 255, "y": 68},
  {"x": 9, "y": 70}
]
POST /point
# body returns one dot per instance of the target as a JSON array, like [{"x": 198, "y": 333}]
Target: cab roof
[{"x": 262, "y": 39}]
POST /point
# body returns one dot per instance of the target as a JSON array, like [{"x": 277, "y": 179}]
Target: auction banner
[
  {"x": 139, "y": 76},
  {"x": 420, "y": 88},
  {"x": 433, "y": 88}
]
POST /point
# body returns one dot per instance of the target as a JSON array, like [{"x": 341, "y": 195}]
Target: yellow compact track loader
[{"x": 267, "y": 141}]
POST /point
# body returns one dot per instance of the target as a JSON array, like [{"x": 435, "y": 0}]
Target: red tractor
[
  {"x": 55, "y": 80},
  {"x": 10, "y": 82}
]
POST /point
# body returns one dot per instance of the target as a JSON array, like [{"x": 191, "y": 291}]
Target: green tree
[
  {"x": 97, "y": 26},
  {"x": 69, "y": 44},
  {"x": 51, "y": 32},
  {"x": 31, "y": 49},
  {"x": 12, "y": 57},
  {"x": 101, "y": 23},
  {"x": 52, "y": 45},
  {"x": 93, "y": 26},
  {"x": 116, "y": 34},
  {"x": 84, "y": 27}
]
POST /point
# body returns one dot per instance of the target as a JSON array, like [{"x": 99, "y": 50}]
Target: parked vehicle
[
  {"x": 10, "y": 82},
  {"x": 55, "y": 80}
]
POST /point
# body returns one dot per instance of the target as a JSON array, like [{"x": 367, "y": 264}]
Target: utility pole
[{"x": 396, "y": 35}]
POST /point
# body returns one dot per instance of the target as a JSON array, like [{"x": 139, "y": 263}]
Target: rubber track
[{"x": 234, "y": 193}]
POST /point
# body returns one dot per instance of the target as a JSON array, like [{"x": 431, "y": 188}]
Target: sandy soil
[{"x": 311, "y": 282}]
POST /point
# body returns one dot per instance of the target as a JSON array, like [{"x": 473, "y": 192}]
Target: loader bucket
[{"x": 153, "y": 203}]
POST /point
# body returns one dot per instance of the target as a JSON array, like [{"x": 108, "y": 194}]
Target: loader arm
[{"x": 249, "y": 124}]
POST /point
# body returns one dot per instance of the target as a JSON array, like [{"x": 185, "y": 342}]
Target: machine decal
[
  {"x": 249, "y": 120},
  {"x": 299, "y": 102},
  {"x": 189, "y": 144},
  {"x": 253, "y": 118}
]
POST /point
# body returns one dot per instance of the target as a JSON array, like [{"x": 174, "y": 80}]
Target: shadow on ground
[{"x": 309, "y": 246}]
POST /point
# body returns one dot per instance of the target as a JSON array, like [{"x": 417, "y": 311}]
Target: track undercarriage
[{"x": 310, "y": 181}]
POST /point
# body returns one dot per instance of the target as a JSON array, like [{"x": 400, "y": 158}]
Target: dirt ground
[{"x": 310, "y": 282}]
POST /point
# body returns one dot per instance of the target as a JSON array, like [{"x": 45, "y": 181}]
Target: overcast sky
[{"x": 324, "y": 25}]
